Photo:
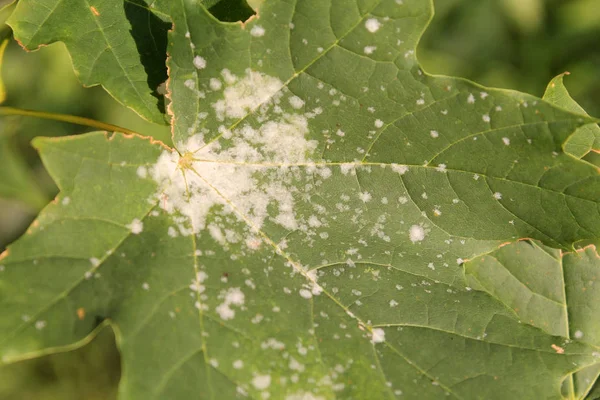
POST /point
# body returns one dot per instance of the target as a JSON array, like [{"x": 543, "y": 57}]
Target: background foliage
[{"x": 514, "y": 44}]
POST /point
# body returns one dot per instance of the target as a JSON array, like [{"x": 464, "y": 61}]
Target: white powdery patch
[
  {"x": 372, "y": 25},
  {"x": 370, "y": 49},
  {"x": 378, "y": 335},
  {"x": 257, "y": 31},
  {"x": 229, "y": 176},
  {"x": 416, "y": 233},
  {"x": 400, "y": 169},
  {"x": 245, "y": 94},
  {"x": 261, "y": 382},
  {"x": 136, "y": 226},
  {"x": 199, "y": 62},
  {"x": 233, "y": 296}
]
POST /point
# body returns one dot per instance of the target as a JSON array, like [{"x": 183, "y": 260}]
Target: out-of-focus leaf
[{"x": 587, "y": 138}]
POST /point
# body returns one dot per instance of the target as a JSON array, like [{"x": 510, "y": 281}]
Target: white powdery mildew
[
  {"x": 233, "y": 176},
  {"x": 261, "y": 382},
  {"x": 245, "y": 94},
  {"x": 378, "y": 335}
]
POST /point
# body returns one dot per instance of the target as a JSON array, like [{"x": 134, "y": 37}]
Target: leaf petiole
[{"x": 66, "y": 118}]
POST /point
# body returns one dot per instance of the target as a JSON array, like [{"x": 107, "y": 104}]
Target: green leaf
[
  {"x": 586, "y": 139},
  {"x": 307, "y": 235},
  {"x": 119, "y": 45},
  {"x": 546, "y": 289}
]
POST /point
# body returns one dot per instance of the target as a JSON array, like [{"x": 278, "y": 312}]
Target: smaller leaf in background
[
  {"x": 107, "y": 44},
  {"x": 16, "y": 179},
  {"x": 91, "y": 373},
  {"x": 586, "y": 139},
  {"x": 548, "y": 289}
]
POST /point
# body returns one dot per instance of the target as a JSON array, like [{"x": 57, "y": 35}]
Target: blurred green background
[{"x": 516, "y": 44}]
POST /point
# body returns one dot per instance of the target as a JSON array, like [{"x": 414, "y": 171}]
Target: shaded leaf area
[
  {"x": 120, "y": 45},
  {"x": 586, "y": 139},
  {"x": 307, "y": 236}
]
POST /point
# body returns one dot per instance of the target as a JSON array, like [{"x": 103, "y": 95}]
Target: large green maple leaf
[{"x": 308, "y": 237}]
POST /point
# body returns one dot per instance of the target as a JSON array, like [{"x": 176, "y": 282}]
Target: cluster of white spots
[
  {"x": 244, "y": 95},
  {"x": 506, "y": 141},
  {"x": 136, "y": 226},
  {"x": 261, "y": 382},
  {"x": 498, "y": 196},
  {"x": 372, "y": 25},
  {"x": 416, "y": 233},
  {"x": 230, "y": 177},
  {"x": 257, "y": 31},
  {"x": 199, "y": 62},
  {"x": 370, "y": 49},
  {"x": 233, "y": 296},
  {"x": 434, "y": 134},
  {"x": 441, "y": 168},
  {"x": 377, "y": 335}
]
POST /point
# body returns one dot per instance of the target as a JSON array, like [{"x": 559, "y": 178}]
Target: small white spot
[
  {"x": 441, "y": 168},
  {"x": 393, "y": 303},
  {"x": 238, "y": 364},
  {"x": 400, "y": 169},
  {"x": 95, "y": 262},
  {"x": 471, "y": 99},
  {"x": 578, "y": 334},
  {"x": 365, "y": 197},
  {"x": 498, "y": 196},
  {"x": 372, "y": 25},
  {"x": 506, "y": 141},
  {"x": 257, "y": 31},
  {"x": 215, "y": 84},
  {"x": 434, "y": 134},
  {"x": 378, "y": 123},
  {"x": 39, "y": 325},
  {"x": 370, "y": 49},
  {"x": 261, "y": 382},
  {"x": 378, "y": 335},
  {"x": 305, "y": 293},
  {"x": 486, "y": 118},
  {"x": 296, "y": 102},
  {"x": 136, "y": 226},
  {"x": 416, "y": 233},
  {"x": 66, "y": 201},
  {"x": 199, "y": 62},
  {"x": 145, "y": 286}
]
